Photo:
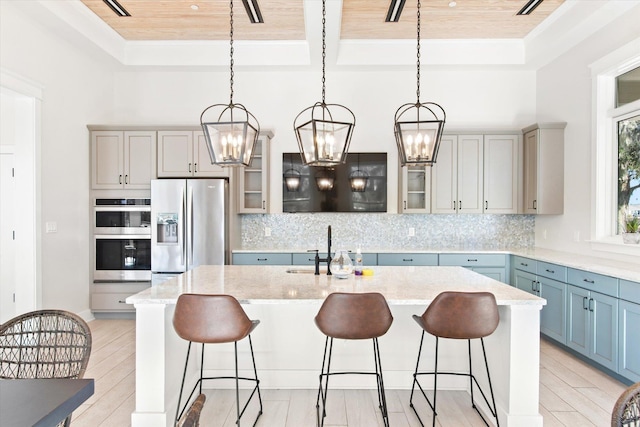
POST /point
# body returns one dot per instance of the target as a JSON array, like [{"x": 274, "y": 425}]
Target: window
[
  {"x": 628, "y": 169},
  {"x": 616, "y": 148}
]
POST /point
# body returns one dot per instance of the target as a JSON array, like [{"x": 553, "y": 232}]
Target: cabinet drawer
[
  {"x": 525, "y": 264},
  {"x": 473, "y": 260},
  {"x": 306, "y": 258},
  {"x": 262, "y": 259},
  {"x": 594, "y": 282},
  {"x": 630, "y": 291},
  {"x": 303, "y": 258},
  {"x": 111, "y": 302},
  {"x": 552, "y": 271},
  {"x": 407, "y": 259}
]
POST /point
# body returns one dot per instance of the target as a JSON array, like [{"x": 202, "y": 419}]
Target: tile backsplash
[{"x": 375, "y": 232}]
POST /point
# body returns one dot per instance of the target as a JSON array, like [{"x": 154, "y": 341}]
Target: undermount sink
[{"x": 305, "y": 271}]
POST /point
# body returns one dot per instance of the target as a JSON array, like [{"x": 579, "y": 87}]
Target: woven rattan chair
[
  {"x": 626, "y": 412},
  {"x": 45, "y": 344},
  {"x": 191, "y": 418}
]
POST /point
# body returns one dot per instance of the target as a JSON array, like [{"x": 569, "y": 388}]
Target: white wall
[
  {"x": 564, "y": 93},
  {"x": 77, "y": 90}
]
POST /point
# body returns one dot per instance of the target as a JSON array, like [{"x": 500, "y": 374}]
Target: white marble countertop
[
  {"x": 608, "y": 267},
  {"x": 273, "y": 284}
]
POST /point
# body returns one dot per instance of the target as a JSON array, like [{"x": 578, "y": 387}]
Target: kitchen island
[{"x": 289, "y": 347}]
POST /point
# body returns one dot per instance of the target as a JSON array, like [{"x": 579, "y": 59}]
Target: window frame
[{"x": 604, "y": 183}]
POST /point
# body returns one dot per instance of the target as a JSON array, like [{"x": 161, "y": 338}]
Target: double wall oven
[{"x": 122, "y": 240}]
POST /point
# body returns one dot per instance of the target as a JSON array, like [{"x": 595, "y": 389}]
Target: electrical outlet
[
  {"x": 412, "y": 231},
  {"x": 51, "y": 227},
  {"x": 267, "y": 232}
]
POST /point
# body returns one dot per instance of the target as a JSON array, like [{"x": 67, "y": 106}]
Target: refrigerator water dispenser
[{"x": 167, "y": 227}]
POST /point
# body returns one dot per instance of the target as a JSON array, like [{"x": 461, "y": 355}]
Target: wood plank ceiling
[{"x": 284, "y": 19}]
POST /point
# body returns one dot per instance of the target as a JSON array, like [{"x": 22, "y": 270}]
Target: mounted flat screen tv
[{"x": 339, "y": 198}]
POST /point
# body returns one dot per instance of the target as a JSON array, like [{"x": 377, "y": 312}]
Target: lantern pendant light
[
  {"x": 324, "y": 130},
  {"x": 232, "y": 132},
  {"x": 418, "y": 127}
]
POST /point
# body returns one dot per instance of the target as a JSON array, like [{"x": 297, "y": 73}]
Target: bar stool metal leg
[
  {"x": 458, "y": 315},
  {"x": 382, "y": 398},
  {"x": 352, "y": 316},
  {"x": 322, "y": 391}
]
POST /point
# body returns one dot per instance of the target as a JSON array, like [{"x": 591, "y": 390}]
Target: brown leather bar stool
[
  {"x": 458, "y": 315},
  {"x": 352, "y": 317},
  {"x": 215, "y": 319}
]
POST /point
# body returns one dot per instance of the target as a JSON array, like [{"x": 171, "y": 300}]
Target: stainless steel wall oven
[{"x": 122, "y": 240}]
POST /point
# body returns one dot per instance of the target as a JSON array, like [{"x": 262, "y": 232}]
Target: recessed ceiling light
[
  {"x": 395, "y": 9},
  {"x": 117, "y": 7},
  {"x": 528, "y": 8},
  {"x": 195, "y": 7},
  {"x": 452, "y": 4}
]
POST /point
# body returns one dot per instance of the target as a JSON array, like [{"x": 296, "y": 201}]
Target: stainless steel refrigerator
[{"x": 189, "y": 225}]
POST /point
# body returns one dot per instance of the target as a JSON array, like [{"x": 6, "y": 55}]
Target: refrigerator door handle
[
  {"x": 182, "y": 227},
  {"x": 189, "y": 226}
]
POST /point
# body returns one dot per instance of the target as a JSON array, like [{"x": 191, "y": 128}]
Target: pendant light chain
[
  {"x": 231, "y": 51},
  {"x": 324, "y": 47},
  {"x": 418, "y": 55}
]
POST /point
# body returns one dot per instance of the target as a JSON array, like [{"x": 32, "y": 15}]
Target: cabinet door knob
[
  {"x": 195, "y": 167},
  {"x": 584, "y": 303},
  {"x": 119, "y": 179},
  {"x": 189, "y": 167},
  {"x": 126, "y": 179},
  {"x": 591, "y": 304},
  {"x": 486, "y": 204}
]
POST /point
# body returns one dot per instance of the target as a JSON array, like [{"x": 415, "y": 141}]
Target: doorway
[{"x": 20, "y": 278}]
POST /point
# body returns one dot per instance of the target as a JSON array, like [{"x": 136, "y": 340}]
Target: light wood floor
[{"x": 571, "y": 394}]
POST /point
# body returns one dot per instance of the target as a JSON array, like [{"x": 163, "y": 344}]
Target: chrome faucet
[{"x": 318, "y": 260}]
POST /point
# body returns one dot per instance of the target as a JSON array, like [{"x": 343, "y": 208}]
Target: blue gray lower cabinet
[
  {"x": 628, "y": 330},
  {"x": 592, "y": 325},
  {"x": 267, "y": 258},
  {"x": 525, "y": 281},
  {"x": 553, "y": 319},
  {"x": 552, "y": 315},
  {"x": 407, "y": 259},
  {"x": 308, "y": 258},
  {"x": 490, "y": 265}
]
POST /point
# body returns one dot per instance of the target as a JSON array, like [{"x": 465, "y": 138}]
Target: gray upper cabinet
[
  {"x": 253, "y": 181},
  {"x": 414, "y": 184},
  {"x": 501, "y": 174},
  {"x": 543, "y": 168},
  {"x": 122, "y": 159},
  {"x": 184, "y": 154},
  {"x": 456, "y": 178}
]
